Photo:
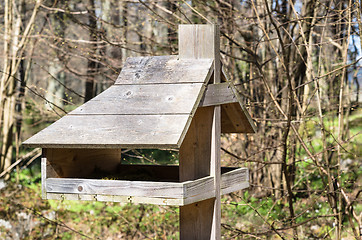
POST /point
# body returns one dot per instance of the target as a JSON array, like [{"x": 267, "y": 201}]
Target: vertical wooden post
[
  {"x": 200, "y": 151},
  {"x": 216, "y": 143}
]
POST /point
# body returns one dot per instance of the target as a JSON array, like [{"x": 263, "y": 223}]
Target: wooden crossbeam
[{"x": 217, "y": 94}]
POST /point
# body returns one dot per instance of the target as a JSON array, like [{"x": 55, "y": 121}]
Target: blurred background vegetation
[{"x": 295, "y": 63}]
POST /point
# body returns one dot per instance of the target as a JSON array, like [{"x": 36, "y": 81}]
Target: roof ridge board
[
  {"x": 177, "y": 57},
  {"x": 158, "y": 83},
  {"x": 163, "y": 70}
]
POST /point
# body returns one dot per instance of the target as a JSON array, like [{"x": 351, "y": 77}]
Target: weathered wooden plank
[
  {"x": 199, "y": 187},
  {"x": 115, "y": 187},
  {"x": 226, "y": 124},
  {"x": 143, "y": 99},
  {"x": 199, "y": 220},
  {"x": 197, "y": 190},
  {"x": 113, "y": 198},
  {"x": 157, "y": 201},
  {"x": 215, "y": 168},
  {"x": 196, "y": 220},
  {"x": 191, "y": 117},
  {"x": 244, "y": 116},
  {"x": 112, "y": 131},
  {"x": 164, "y": 69},
  {"x": 236, "y": 120},
  {"x": 234, "y": 180},
  {"x": 196, "y": 41},
  {"x": 195, "y": 151},
  {"x": 120, "y": 199},
  {"x": 210, "y": 196},
  {"x": 217, "y": 94}
]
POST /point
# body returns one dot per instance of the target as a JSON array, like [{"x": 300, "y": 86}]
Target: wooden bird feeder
[{"x": 159, "y": 102}]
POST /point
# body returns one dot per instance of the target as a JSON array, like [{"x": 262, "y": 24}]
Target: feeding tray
[{"x": 153, "y": 184}]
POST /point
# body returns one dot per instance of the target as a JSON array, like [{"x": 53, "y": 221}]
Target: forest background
[{"x": 295, "y": 63}]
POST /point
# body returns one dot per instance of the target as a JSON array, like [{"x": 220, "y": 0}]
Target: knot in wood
[{"x": 80, "y": 188}]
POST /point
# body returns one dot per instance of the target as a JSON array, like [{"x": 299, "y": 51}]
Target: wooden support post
[
  {"x": 200, "y": 151},
  {"x": 216, "y": 143}
]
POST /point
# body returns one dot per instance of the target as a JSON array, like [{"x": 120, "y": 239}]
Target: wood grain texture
[
  {"x": 120, "y": 199},
  {"x": 199, "y": 187},
  {"x": 115, "y": 187},
  {"x": 164, "y": 69},
  {"x": 195, "y": 155},
  {"x": 244, "y": 120},
  {"x": 112, "y": 131},
  {"x": 215, "y": 171},
  {"x": 215, "y": 167},
  {"x": 217, "y": 94},
  {"x": 196, "y": 220},
  {"x": 196, "y": 41},
  {"x": 199, "y": 220},
  {"x": 188, "y": 192},
  {"x": 195, "y": 151},
  {"x": 130, "y": 199},
  {"x": 127, "y": 116},
  {"x": 234, "y": 119},
  {"x": 143, "y": 100},
  {"x": 234, "y": 180}
]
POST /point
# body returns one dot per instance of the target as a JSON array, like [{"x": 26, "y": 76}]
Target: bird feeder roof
[{"x": 151, "y": 105}]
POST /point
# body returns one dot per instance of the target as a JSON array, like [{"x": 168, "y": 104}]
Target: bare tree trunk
[
  {"x": 8, "y": 22},
  {"x": 90, "y": 86},
  {"x": 124, "y": 24},
  {"x": 13, "y": 47},
  {"x": 10, "y": 88},
  {"x": 171, "y": 33}
]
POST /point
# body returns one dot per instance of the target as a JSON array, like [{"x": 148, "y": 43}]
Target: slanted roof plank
[
  {"x": 112, "y": 131},
  {"x": 164, "y": 70},
  {"x": 143, "y": 99}
]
